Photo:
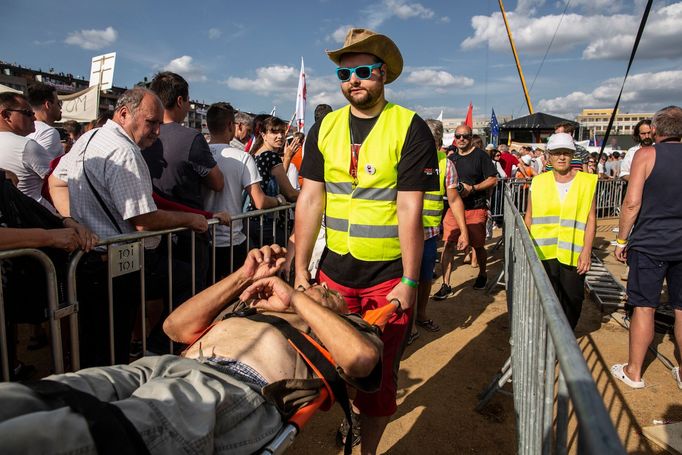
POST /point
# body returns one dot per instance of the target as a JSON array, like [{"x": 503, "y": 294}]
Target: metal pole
[
  {"x": 110, "y": 289},
  {"x": 516, "y": 58},
  {"x": 3, "y": 335},
  {"x": 143, "y": 298},
  {"x": 193, "y": 239}
]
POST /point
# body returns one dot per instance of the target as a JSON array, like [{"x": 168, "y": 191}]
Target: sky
[{"x": 455, "y": 52}]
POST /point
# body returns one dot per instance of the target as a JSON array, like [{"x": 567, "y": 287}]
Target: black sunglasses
[
  {"x": 26, "y": 112},
  {"x": 462, "y": 136},
  {"x": 361, "y": 72}
]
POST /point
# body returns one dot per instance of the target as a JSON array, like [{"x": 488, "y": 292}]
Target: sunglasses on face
[
  {"x": 462, "y": 136},
  {"x": 361, "y": 72},
  {"x": 26, "y": 112}
]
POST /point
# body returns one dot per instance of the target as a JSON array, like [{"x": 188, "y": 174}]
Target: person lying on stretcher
[{"x": 230, "y": 391}]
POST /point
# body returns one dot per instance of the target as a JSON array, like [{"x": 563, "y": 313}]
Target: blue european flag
[{"x": 494, "y": 129}]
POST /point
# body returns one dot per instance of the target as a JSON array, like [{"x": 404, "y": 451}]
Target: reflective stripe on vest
[
  {"x": 433, "y": 200},
  {"x": 361, "y": 216},
  {"x": 558, "y": 228}
]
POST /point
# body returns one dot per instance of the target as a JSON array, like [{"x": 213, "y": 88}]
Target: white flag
[
  {"x": 440, "y": 117},
  {"x": 273, "y": 112},
  {"x": 81, "y": 106},
  {"x": 301, "y": 96}
]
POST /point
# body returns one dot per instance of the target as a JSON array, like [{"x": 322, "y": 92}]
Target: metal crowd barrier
[
  {"x": 541, "y": 339},
  {"x": 125, "y": 254},
  {"x": 52, "y": 304},
  {"x": 610, "y": 195}
]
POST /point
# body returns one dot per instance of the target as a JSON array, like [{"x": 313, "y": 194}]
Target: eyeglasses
[
  {"x": 26, "y": 112},
  {"x": 361, "y": 72},
  {"x": 462, "y": 136}
]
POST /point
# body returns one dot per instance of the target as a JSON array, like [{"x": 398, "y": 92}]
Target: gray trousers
[{"x": 177, "y": 405}]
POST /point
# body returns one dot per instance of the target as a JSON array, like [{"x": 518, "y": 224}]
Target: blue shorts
[
  {"x": 428, "y": 259},
  {"x": 645, "y": 280}
]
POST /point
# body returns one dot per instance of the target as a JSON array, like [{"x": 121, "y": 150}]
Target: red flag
[{"x": 469, "y": 120}]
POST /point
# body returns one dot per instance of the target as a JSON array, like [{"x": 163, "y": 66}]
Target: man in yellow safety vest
[
  {"x": 366, "y": 167},
  {"x": 561, "y": 216}
]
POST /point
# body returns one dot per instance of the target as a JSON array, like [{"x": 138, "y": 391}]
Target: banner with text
[{"x": 82, "y": 106}]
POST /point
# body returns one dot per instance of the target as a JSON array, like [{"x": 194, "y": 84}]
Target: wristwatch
[{"x": 459, "y": 187}]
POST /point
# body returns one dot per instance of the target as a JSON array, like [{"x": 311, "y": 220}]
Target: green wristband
[{"x": 410, "y": 282}]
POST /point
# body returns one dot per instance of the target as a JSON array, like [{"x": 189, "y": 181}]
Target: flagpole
[{"x": 516, "y": 58}]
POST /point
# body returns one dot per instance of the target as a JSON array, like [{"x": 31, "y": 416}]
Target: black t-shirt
[
  {"x": 472, "y": 169},
  {"x": 177, "y": 162},
  {"x": 416, "y": 172}
]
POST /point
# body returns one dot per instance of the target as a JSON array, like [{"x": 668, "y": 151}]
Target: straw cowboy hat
[{"x": 365, "y": 41}]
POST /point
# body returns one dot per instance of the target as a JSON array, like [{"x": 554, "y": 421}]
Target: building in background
[{"x": 19, "y": 78}]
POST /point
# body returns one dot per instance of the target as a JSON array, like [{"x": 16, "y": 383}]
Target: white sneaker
[{"x": 676, "y": 375}]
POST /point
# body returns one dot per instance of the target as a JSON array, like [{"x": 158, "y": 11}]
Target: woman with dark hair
[{"x": 267, "y": 151}]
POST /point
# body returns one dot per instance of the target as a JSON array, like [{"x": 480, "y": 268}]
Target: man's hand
[
  {"x": 223, "y": 218},
  {"x": 467, "y": 190},
  {"x": 197, "y": 222},
  {"x": 264, "y": 262},
  {"x": 270, "y": 294},
  {"x": 302, "y": 279},
  {"x": 584, "y": 262},
  {"x": 405, "y": 294},
  {"x": 64, "y": 239},
  {"x": 621, "y": 253},
  {"x": 463, "y": 241},
  {"x": 87, "y": 239}
]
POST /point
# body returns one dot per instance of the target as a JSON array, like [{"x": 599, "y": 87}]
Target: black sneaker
[
  {"x": 443, "y": 293},
  {"x": 343, "y": 431},
  {"x": 480, "y": 282}
]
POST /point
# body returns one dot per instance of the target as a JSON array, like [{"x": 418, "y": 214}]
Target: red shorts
[
  {"x": 381, "y": 403},
  {"x": 475, "y": 220}
]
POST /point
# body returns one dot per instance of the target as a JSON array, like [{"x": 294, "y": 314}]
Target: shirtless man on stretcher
[{"x": 229, "y": 393}]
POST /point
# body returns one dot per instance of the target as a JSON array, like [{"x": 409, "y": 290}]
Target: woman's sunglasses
[{"x": 361, "y": 72}]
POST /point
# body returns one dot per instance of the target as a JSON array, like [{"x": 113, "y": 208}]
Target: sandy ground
[{"x": 443, "y": 372}]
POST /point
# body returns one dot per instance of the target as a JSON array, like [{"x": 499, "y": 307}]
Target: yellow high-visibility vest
[
  {"x": 558, "y": 228},
  {"x": 433, "y": 200},
  {"x": 361, "y": 214}
]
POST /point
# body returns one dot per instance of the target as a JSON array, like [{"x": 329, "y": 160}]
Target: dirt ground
[{"x": 442, "y": 373}]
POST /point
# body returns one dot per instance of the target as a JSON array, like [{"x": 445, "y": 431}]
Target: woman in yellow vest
[{"x": 561, "y": 217}]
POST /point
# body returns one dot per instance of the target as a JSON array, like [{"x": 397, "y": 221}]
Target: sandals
[
  {"x": 618, "y": 372},
  {"x": 413, "y": 336},
  {"x": 428, "y": 324}
]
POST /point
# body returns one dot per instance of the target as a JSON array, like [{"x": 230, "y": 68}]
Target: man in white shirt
[
  {"x": 44, "y": 102},
  {"x": 23, "y": 156},
  {"x": 240, "y": 174},
  {"x": 643, "y": 137},
  {"x": 242, "y": 130}
]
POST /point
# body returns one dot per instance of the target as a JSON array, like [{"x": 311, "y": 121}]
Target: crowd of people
[{"x": 370, "y": 182}]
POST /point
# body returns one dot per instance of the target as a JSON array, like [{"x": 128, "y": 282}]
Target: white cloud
[
  {"x": 528, "y": 6},
  {"x": 375, "y": 15},
  {"x": 600, "y": 36},
  {"x": 185, "y": 67},
  {"x": 269, "y": 79},
  {"x": 92, "y": 39},
  {"x": 644, "y": 92},
  {"x": 339, "y": 35},
  {"x": 334, "y": 98},
  {"x": 44, "y": 43},
  {"x": 596, "y": 5},
  {"x": 438, "y": 79},
  {"x": 214, "y": 33}
]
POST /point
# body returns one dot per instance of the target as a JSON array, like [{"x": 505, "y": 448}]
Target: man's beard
[
  {"x": 647, "y": 142},
  {"x": 366, "y": 101}
]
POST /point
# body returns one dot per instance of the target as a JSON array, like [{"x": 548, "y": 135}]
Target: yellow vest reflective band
[
  {"x": 558, "y": 228},
  {"x": 433, "y": 200},
  {"x": 361, "y": 215}
]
